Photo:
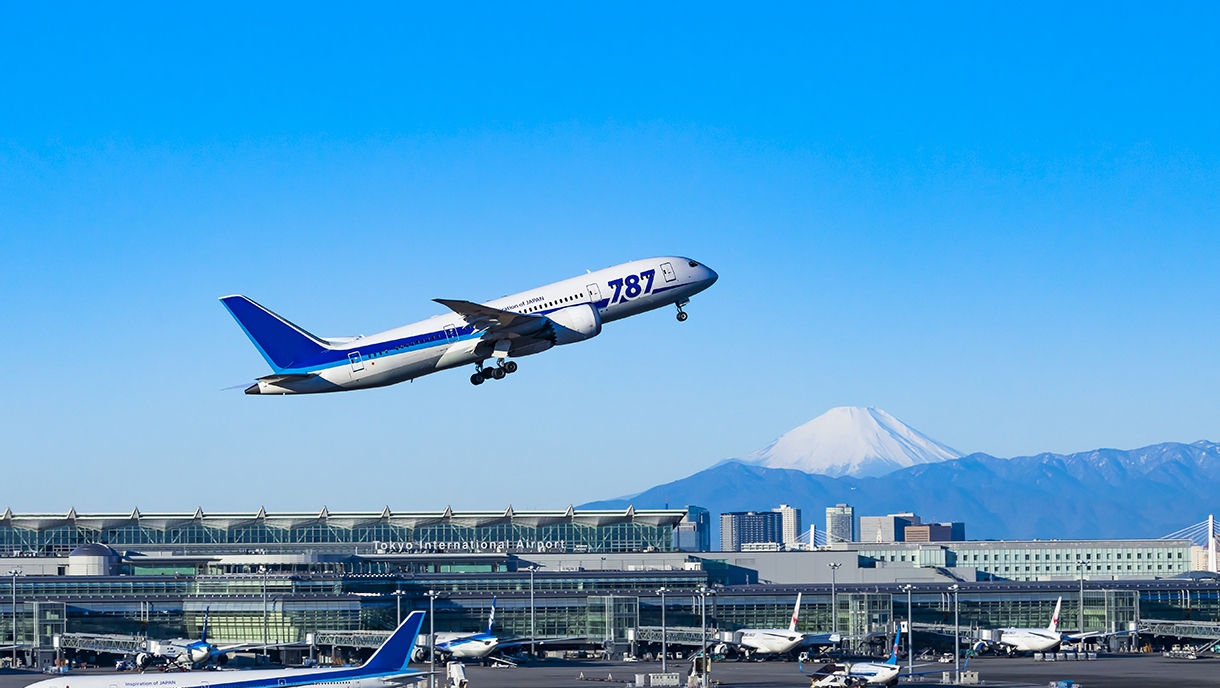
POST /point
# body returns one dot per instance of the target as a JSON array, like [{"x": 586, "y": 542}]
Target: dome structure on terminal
[
  {"x": 93, "y": 549},
  {"x": 93, "y": 559}
]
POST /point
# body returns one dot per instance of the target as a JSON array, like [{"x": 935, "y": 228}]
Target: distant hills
[{"x": 1107, "y": 493}]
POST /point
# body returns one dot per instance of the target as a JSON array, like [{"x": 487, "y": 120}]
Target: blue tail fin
[
  {"x": 395, "y": 653},
  {"x": 893, "y": 660},
  {"x": 279, "y": 341},
  {"x": 204, "y": 637}
]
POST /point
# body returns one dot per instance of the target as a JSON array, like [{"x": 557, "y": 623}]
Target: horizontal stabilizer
[{"x": 279, "y": 341}]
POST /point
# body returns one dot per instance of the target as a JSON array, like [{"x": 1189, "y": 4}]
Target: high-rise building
[
  {"x": 840, "y": 524},
  {"x": 936, "y": 532},
  {"x": 891, "y": 528},
  {"x": 742, "y": 527},
  {"x": 791, "y": 518},
  {"x": 694, "y": 532}
]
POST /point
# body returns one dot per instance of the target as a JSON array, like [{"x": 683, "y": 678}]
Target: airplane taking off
[
  {"x": 387, "y": 668},
  {"x": 531, "y": 322}
]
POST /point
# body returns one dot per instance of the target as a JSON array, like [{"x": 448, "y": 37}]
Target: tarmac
[{"x": 1108, "y": 671}]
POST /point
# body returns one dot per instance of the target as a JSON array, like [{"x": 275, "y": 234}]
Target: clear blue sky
[{"x": 997, "y": 221}]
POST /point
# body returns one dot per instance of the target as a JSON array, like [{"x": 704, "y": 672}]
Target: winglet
[{"x": 395, "y": 653}]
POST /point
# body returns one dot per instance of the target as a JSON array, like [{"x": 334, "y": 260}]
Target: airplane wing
[
  {"x": 1096, "y": 634},
  {"x": 241, "y": 647},
  {"x": 519, "y": 642},
  {"x": 485, "y": 317}
]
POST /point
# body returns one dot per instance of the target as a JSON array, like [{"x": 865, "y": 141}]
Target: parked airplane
[
  {"x": 864, "y": 673},
  {"x": 481, "y": 645},
  {"x": 385, "y": 669},
  {"x": 461, "y": 645},
  {"x": 1014, "y": 640},
  {"x": 777, "y": 641},
  {"x": 184, "y": 653},
  {"x": 531, "y": 322}
]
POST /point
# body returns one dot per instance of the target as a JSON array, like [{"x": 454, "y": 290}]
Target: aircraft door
[
  {"x": 595, "y": 293},
  {"x": 667, "y": 271},
  {"x": 357, "y": 361},
  {"x": 451, "y": 333}
]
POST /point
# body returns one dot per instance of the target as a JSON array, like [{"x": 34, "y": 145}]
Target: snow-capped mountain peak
[{"x": 859, "y": 442}]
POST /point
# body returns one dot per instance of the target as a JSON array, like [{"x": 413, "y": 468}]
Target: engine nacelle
[
  {"x": 980, "y": 648},
  {"x": 143, "y": 660},
  {"x": 418, "y": 655},
  {"x": 576, "y": 323},
  {"x": 221, "y": 659}
]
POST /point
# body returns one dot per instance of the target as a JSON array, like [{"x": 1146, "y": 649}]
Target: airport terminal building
[{"x": 595, "y": 574}]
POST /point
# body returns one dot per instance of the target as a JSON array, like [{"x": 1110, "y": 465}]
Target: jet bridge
[{"x": 101, "y": 642}]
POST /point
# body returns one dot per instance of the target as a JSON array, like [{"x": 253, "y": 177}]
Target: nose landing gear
[
  {"x": 497, "y": 373},
  {"x": 681, "y": 313}
]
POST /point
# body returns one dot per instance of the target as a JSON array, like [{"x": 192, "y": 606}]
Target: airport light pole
[
  {"x": 398, "y": 606},
  {"x": 834, "y": 607},
  {"x": 263, "y": 570},
  {"x": 957, "y": 639},
  {"x": 704, "y": 591},
  {"x": 1080, "y": 607},
  {"x": 533, "y": 634},
  {"x": 432, "y": 595},
  {"x": 13, "y": 573},
  {"x": 910, "y": 631},
  {"x": 664, "y": 647}
]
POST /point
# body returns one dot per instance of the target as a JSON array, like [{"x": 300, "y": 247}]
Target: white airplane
[
  {"x": 387, "y": 668},
  {"x": 184, "y": 653},
  {"x": 461, "y": 645},
  {"x": 777, "y": 641},
  {"x": 520, "y": 325},
  {"x": 1015, "y": 640},
  {"x": 864, "y": 673}
]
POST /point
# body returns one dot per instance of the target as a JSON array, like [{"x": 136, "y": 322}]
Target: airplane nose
[
  {"x": 253, "y": 389},
  {"x": 711, "y": 276}
]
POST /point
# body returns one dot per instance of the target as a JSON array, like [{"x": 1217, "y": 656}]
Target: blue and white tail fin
[
  {"x": 395, "y": 653},
  {"x": 204, "y": 637},
  {"x": 279, "y": 341},
  {"x": 491, "y": 619},
  {"x": 893, "y": 660},
  {"x": 1055, "y": 617}
]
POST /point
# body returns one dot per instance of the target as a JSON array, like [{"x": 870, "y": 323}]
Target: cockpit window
[{"x": 693, "y": 264}]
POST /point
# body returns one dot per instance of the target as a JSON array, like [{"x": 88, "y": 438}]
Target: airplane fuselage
[
  {"x": 1030, "y": 639},
  {"x": 572, "y": 310},
  {"x": 771, "y": 641}
]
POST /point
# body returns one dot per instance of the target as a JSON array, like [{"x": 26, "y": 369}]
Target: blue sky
[{"x": 996, "y": 222}]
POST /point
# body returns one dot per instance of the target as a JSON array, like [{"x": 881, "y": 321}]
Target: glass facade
[{"x": 384, "y": 532}]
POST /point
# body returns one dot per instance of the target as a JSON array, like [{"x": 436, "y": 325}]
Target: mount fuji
[
  {"x": 869, "y": 459},
  {"x": 852, "y": 441}
]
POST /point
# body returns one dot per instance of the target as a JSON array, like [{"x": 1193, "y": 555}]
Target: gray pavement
[{"x": 1118, "y": 671}]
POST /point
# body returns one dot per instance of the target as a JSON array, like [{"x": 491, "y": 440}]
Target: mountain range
[{"x": 1106, "y": 493}]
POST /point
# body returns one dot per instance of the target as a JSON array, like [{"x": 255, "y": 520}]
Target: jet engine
[
  {"x": 576, "y": 323},
  {"x": 143, "y": 660},
  {"x": 419, "y": 654},
  {"x": 221, "y": 659},
  {"x": 980, "y": 648}
]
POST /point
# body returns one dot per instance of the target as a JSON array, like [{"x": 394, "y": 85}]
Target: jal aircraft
[
  {"x": 1014, "y": 640},
  {"x": 777, "y": 641},
  {"x": 183, "y": 653},
  {"x": 387, "y": 668},
  {"x": 531, "y": 322}
]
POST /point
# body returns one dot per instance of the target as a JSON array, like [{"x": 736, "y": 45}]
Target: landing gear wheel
[
  {"x": 510, "y": 367},
  {"x": 487, "y": 373},
  {"x": 476, "y": 379},
  {"x": 498, "y": 373},
  {"x": 682, "y": 316}
]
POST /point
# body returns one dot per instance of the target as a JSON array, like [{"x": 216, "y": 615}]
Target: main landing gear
[
  {"x": 496, "y": 373},
  {"x": 681, "y": 313}
]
